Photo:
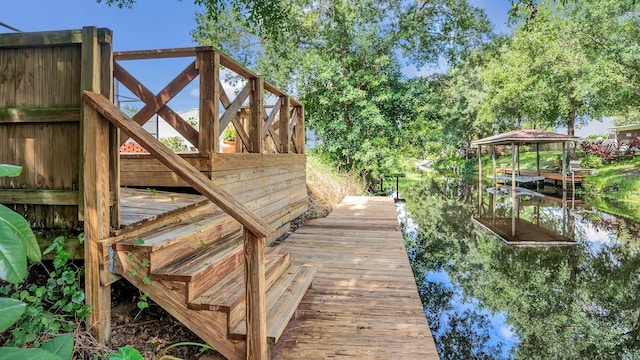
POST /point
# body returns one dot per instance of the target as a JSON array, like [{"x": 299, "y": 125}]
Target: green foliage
[
  {"x": 126, "y": 353},
  {"x": 58, "y": 348},
  {"x": 267, "y": 18},
  {"x": 12, "y": 309},
  {"x": 175, "y": 143},
  {"x": 10, "y": 170},
  {"x": 17, "y": 242},
  {"x": 54, "y": 306},
  {"x": 591, "y": 162},
  {"x": 616, "y": 188},
  {"x": 13, "y": 259},
  {"x": 229, "y": 133},
  {"x": 343, "y": 63}
]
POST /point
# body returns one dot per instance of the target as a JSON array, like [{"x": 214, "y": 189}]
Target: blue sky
[{"x": 150, "y": 25}]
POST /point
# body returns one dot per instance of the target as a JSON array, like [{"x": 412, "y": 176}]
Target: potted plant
[{"x": 229, "y": 139}]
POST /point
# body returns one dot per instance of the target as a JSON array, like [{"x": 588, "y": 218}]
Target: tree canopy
[{"x": 344, "y": 60}]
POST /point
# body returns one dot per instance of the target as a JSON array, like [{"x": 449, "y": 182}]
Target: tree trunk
[{"x": 571, "y": 122}]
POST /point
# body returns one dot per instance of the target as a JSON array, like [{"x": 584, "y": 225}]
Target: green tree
[
  {"x": 264, "y": 17},
  {"x": 545, "y": 77},
  {"x": 343, "y": 61}
]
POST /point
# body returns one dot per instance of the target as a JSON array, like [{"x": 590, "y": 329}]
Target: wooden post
[
  {"x": 479, "y": 163},
  {"x": 300, "y": 129},
  {"x": 514, "y": 152},
  {"x": 284, "y": 124},
  {"x": 255, "y": 287},
  {"x": 208, "y": 62},
  {"x": 95, "y": 192},
  {"x": 106, "y": 89},
  {"x": 564, "y": 168},
  {"x": 255, "y": 114},
  {"x": 493, "y": 155},
  {"x": 243, "y": 117},
  {"x": 538, "y": 158}
]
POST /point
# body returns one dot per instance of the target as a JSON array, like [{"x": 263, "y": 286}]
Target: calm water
[{"x": 485, "y": 299}]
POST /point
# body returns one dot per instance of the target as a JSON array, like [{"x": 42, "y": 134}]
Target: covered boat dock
[{"x": 515, "y": 139}]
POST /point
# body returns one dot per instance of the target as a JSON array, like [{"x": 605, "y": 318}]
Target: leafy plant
[
  {"x": 54, "y": 306},
  {"x": 175, "y": 143},
  {"x": 17, "y": 244},
  {"x": 229, "y": 133},
  {"x": 130, "y": 353},
  {"x": 591, "y": 162},
  {"x": 126, "y": 353}
]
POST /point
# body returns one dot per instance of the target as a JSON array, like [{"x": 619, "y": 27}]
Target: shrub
[
  {"x": 591, "y": 162},
  {"x": 17, "y": 244}
]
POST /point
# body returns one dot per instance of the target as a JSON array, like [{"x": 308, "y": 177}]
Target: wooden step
[
  {"x": 282, "y": 302},
  {"x": 228, "y": 294},
  {"x": 177, "y": 240},
  {"x": 204, "y": 267}
]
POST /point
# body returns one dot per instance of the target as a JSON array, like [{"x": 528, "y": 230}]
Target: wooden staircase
[{"x": 194, "y": 269}]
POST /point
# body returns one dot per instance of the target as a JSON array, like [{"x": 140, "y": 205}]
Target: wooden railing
[
  {"x": 280, "y": 130},
  {"x": 256, "y": 230}
]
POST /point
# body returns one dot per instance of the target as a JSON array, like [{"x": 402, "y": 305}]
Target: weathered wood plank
[
  {"x": 364, "y": 287},
  {"x": 48, "y": 115},
  {"x": 256, "y": 103},
  {"x": 154, "y": 54},
  {"x": 283, "y": 125},
  {"x": 39, "y": 197},
  {"x": 255, "y": 290},
  {"x": 208, "y": 65},
  {"x": 46, "y": 38},
  {"x": 95, "y": 192}
]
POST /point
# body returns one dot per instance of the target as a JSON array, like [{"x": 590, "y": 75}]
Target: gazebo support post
[
  {"x": 493, "y": 157},
  {"x": 538, "y": 158},
  {"x": 514, "y": 154},
  {"x": 564, "y": 168},
  {"x": 538, "y": 164},
  {"x": 480, "y": 163}
]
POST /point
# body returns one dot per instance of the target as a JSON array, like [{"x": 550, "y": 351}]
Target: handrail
[
  {"x": 182, "y": 168},
  {"x": 225, "y": 61}
]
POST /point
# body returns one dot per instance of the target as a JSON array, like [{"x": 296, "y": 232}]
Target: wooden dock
[{"x": 364, "y": 303}]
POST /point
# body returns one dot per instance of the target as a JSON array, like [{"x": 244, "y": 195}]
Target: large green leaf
[
  {"x": 61, "y": 345},
  {"x": 126, "y": 353},
  {"x": 11, "y": 310},
  {"x": 13, "y": 256},
  {"x": 10, "y": 170},
  {"x": 21, "y": 228},
  {"x": 12, "y": 353}
]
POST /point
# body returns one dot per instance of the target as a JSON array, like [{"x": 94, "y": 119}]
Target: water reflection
[
  {"x": 486, "y": 299},
  {"x": 518, "y": 217}
]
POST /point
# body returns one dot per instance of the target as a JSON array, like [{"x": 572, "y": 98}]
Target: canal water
[{"x": 486, "y": 299}]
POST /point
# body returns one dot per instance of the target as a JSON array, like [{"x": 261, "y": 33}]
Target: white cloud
[
  {"x": 506, "y": 332},
  {"x": 195, "y": 92}
]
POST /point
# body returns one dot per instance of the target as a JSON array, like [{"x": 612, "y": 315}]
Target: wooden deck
[
  {"x": 364, "y": 303},
  {"x": 140, "y": 205}
]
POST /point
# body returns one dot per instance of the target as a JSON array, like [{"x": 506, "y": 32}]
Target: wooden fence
[{"x": 41, "y": 122}]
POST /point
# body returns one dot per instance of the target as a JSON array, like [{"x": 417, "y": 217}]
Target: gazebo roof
[{"x": 524, "y": 136}]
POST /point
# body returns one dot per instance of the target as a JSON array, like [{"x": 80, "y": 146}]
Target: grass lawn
[
  {"x": 548, "y": 160},
  {"x": 616, "y": 188}
]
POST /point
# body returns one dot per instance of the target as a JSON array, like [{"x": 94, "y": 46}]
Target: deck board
[
  {"x": 364, "y": 303},
  {"x": 137, "y": 205}
]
